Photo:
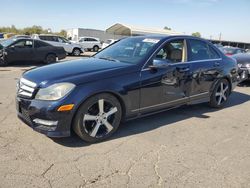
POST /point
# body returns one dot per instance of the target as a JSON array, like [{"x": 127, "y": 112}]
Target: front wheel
[
  {"x": 98, "y": 118},
  {"x": 76, "y": 52},
  {"x": 220, "y": 94}
]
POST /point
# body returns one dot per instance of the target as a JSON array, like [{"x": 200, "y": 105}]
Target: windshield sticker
[{"x": 151, "y": 40}]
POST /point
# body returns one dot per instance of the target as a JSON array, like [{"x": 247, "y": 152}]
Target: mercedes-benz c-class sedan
[{"x": 133, "y": 77}]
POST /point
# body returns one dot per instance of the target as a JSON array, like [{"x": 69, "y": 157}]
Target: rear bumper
[
  {"x": 61, "y": 56},
  {"x": 31, "y": 110}
]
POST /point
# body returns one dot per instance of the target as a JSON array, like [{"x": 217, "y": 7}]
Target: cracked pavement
[{"x": 192, "y": 146}]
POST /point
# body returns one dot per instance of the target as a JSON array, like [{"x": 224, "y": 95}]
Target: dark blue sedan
[{"x": 133, "y": 77}]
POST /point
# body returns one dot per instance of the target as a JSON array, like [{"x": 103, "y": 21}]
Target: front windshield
[
  {"x": 130, "y": 50},
  {"x": 8, "y": 42}
]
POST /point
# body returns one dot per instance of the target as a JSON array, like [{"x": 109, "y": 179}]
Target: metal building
[
  {"x": 130, "y": 30},
  {"x": 75, "y": 34}
]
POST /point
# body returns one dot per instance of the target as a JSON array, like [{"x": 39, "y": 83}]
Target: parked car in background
[
  {"x": 29, "y": 50},
  {"x": 90, "y": 43},
  {"x": 219, "y": 46},
  {"x": 1, "y": 36},
  {"x": 229, "y": 51},
  {"x": 134, "y": 77},
  {"x": 20, "y": 36},
  {"x": 243, "y": 61},
  {"x": 108, "y": 42},
  {"x": 69, "y": 47}
]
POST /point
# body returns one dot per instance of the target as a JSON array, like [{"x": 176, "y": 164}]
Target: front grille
[
  {"x": 25, "y": 116},
  {"x": 25, "y": 88}
]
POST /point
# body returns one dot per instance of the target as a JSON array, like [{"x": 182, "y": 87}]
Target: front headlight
[{"x": 55, "y": 91}]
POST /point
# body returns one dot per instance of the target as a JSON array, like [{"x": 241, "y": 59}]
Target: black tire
[
  {"x": 3, "y": 63},
  {"x": 95, "y": 48},
  {"x": 220, "y": 94},
  {"x": 50, "y": 58},
  {"x": 93, "y": 125},
  {"x": 76, "y": 52}
]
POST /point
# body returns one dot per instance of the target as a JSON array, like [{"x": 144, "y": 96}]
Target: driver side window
[
  {"x": 172, "y": 51},
  {"x": 24, "y": 44}
]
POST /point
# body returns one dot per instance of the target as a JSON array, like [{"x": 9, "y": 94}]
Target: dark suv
[{"x": 134, "y": 77}]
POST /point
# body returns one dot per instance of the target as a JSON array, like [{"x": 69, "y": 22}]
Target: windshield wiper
[{"x": 109, "y": 58}]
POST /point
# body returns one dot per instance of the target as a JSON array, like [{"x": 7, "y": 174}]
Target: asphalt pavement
[{"x": 192, "y": 146}]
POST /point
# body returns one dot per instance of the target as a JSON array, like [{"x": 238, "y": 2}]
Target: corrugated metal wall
[{"x": 102, "y": 35}]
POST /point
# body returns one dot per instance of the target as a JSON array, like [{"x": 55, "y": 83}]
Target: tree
[
  {"x": 167, "y": 28},
  {"x": 196, "y": 34},
  {"x": 35, "y": 29},
  {"x": 63, "y": 33}
]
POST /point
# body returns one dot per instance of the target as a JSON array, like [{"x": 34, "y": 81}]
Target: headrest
[{"x": 176, "y": 55}]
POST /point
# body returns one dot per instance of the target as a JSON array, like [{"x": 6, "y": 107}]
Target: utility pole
[{"x": 220, "y": 37}]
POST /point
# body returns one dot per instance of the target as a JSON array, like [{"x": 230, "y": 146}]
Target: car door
[
  {"x": 88, "y": 43},
  {"x": 165, "y": 81},
  {"x": 65, "y": 44},
  {"x": 206, "y": 65},
  {"x": 21, "y": 50},
  {"x": 41, "y": 50}
]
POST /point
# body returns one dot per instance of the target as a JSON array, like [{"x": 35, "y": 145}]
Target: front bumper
[
  {"x": 29, "y": 111},
  {"x": 244, "y": 73}
]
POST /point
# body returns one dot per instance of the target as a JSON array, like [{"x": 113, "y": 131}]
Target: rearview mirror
[{"x": 159, "y": 63}]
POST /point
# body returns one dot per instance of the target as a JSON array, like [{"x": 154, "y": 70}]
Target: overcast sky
[{"x": 209, "y": 17}]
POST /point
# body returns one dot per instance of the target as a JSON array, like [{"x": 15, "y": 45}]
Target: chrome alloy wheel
[
  {"x": 99, "y": 119},
  {"x": 221, "y": 93}
]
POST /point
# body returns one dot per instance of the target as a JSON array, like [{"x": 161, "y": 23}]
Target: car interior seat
[{"x": 176, "y": 55}]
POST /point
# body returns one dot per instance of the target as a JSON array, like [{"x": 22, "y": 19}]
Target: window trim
[
  {"x": 208, "y": 47},
  {"x": 145, "y": 65}
]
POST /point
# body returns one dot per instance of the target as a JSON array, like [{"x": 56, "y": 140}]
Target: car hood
[{"x": 77, "y": 71}]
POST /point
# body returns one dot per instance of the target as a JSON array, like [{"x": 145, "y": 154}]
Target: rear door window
[
  {"x": 40, "y": 44},
  {"x": 200, "y": 50}
]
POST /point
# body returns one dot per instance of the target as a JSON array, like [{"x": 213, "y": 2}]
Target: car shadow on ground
[
  {"x": 152, "y": 122},
  {"x": 244, "y": 84},
  {"x": 21, "y": 66}
]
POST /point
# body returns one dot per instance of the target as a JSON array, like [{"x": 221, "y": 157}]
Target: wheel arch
[
  {"x": 116, "y": 95},
  {"x": 50, "y": 53},
  {"x": 76, "y": 48},
  {"x": 224, "y": 77}
]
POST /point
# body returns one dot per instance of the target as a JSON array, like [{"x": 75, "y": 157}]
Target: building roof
[{"x": 128, "y": 30}]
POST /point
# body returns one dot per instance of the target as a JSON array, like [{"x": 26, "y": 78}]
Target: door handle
[
  {"x": 217, "y": 64},
  {"x": 183, "y": 69}
]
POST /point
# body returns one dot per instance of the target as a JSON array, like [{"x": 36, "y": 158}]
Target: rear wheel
[
  {"x": 50, "y": 58},
  {"x": 220, "y": 94},
  {"x": 98, "y": 118}
]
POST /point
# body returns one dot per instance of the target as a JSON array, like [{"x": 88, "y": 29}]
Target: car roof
[
  {"x": 165, "y": 37},
  {"x": 88, "y": 37}
]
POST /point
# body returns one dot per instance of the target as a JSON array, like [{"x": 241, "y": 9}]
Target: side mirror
[{"x": 159, "y": 63}]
